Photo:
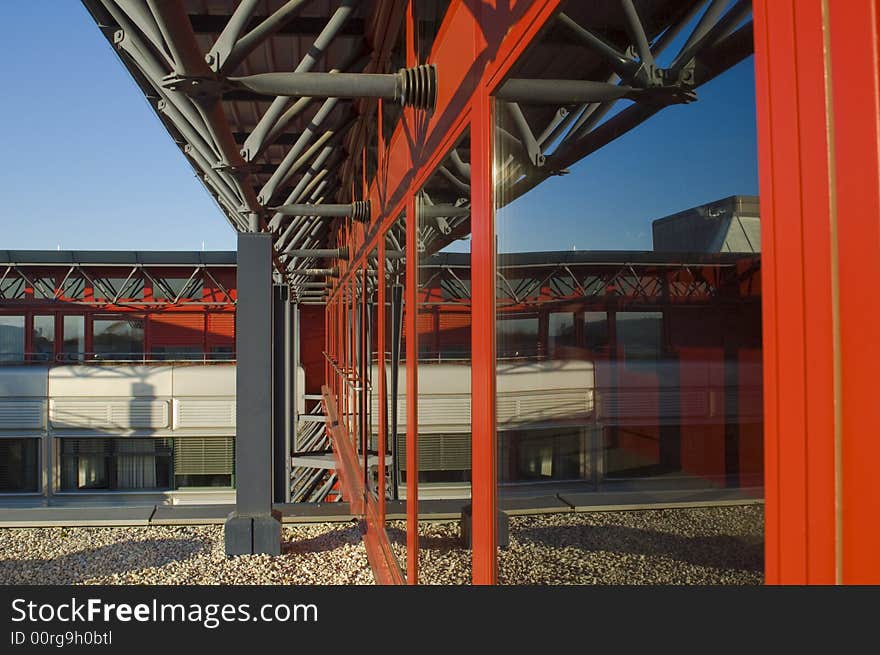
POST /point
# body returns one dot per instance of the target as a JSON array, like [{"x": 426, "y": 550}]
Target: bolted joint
[
  {"x": 317, "y": 272},
  {"x": 198, "y": 88},
  {"x": 417, "y": 87},
  {"x": 360, "y": 211}
]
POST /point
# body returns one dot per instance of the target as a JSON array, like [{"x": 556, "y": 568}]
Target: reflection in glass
[
  {"x": 74, "y": 334},
  {"x": 19, "y": 465},
  {"x": 11, "y": 338},
  {"x": 43, "y": 338},
  {"x": 118, "y": 338}
]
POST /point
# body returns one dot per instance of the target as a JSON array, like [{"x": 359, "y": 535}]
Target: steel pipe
[
  {"x": 411, "y": 87},
  {"x": 358, "y": 210},
  {"x": 318, "y": 272},
  {"x": 319, "y": 253}
]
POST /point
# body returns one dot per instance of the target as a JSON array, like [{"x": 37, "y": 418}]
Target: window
[
  {"x": 596, "y": 331},
  {"x": 73, "y": 288},
  {"x": 74, "y": 334},
  {"x": 561, "y": 333},
  {"x": 12, "y": 288},
  {"x": 117, "y": 464},
  {"x": 43, "y": 337},
  {"x": 519, "y": 336},
  {"x": 118, "y": 338},
  {"x": 19, "y": 465},
  {"x": 184, "y": 353},
  {"x": 640, "y": 335},
  {"x": 111, "y": 288},
  {"x": 186, "y": 288},
  {"x": 11, "y": 338},
  {"x": 204, "y": 462},
  {"x": 222, "y": 352}
]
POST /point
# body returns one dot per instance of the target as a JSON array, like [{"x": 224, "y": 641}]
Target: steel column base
[
  {"x": 253, "y": 535},
  {"x": 466, "y": 525}
]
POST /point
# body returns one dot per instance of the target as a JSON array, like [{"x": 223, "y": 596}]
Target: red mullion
[
  {"x": 783, "y": 293},
  {"x": 855, "y": 57},
  {"x": 383, "y": 401},
  {"x": 815, "y": 143},
  {"x": 412, "y": 395},
  {"x": 484, "y": 441}
]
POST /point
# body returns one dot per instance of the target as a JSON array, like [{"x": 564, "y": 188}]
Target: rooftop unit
[{"x": 731, "y": 224}]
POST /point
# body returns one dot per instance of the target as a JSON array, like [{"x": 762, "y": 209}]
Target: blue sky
[{"x": 88, "y": 165}]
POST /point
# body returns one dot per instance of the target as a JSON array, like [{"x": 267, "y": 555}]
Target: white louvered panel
[
  {"x": 21, "y": 414},
  {"x": 540, "y": 406},
  {"x": 444, "y": 410},
  {"x": 206, "y": 414},
  {"x": 68, "y": 413},
  {"x": 139, "y": 414},
  {"x": 651, "y": 404},
  {"x": 79, "y": 413}
]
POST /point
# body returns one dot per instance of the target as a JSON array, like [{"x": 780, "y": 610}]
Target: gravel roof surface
[
  {"x": 713, "y": 545},
  {"x": 322, "y": 553}
]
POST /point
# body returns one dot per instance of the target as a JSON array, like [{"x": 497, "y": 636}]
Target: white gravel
[
  {"x": 714, "y": 545},
  {"x": 324, "y": 553}
]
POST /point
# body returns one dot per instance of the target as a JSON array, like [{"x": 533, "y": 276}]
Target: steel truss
[
  {"x": 574, "y": 277},
  {"x": 208, "y": 76},
  {"x": 92, "y": 285}
]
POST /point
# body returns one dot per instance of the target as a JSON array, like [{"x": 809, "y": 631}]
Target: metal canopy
[{"x": 227, "y": 79}]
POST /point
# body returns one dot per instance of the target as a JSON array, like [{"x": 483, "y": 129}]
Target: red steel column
[
  {"x": 483, "y": 439},
  {"x": 855, "y": 76},
  {"x": 794, "y": 139}
]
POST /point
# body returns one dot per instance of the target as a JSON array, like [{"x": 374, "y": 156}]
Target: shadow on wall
[{"x": 118, "y": 558}]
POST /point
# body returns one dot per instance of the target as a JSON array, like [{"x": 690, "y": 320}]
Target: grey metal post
[
  {"x": 253, "y": 528},
  {"x": 293, "y": 389},
  {"x": 281, "y": 384}
]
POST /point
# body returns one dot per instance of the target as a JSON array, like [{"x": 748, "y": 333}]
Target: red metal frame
[{"x": 815, "y": 59}]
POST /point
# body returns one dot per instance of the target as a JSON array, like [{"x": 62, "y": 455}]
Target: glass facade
[
  {"x": 73, "y": 345},
  {"x": 43, "y": 337},
  {"x": 118, "y": 337},
  {"x": 12, "y": 333},
  {"x": 19, "y": 465}
]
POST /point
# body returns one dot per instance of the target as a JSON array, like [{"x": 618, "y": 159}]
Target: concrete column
[{"x": 253, "y": 528}]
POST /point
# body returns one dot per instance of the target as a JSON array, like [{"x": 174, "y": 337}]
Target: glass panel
[
  {"x": 115, "y": 464},
  {"x": 107, "y": 289},
  {"x": 186, "y": 288},
  {"x": 12, "y": 288},
  {"x": 73, "y": 288},
  {"x": 11, "y": 338},
  {"x": 628, "y": 304},
  {"x": 74, "y": 334},
  {"x": 44, "y": 337},
  {"x": 19, "y": 465},
  {"x": 118, "y": 338},
  {"x": 443, "y": 330}
]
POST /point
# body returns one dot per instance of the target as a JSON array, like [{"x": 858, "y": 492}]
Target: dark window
[
  {"x": 222, "y": 352},
  {"x": 640, "y": 335},
  {"x": 118, "y": 338},
  {"x": 119, "y": 463},
  {"x": 204, "y": 461},
  {"x": 44, "y": 337},
  {"x": 519, "y": 336},
  {"x": 596, "y": 331},
  {"x": 560, "y": 332},
  {"x": 19, "y": 465},
  {"x": 73, "y": 288},
  {"x": 11, "y": 338},
  {"x": 74, "y": 335},
  {"x": 111, "y": 288},
  {"x": 186, "y": 288}
]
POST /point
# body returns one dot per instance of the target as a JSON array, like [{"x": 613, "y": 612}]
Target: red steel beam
[{"x": 362, "y": 502}]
